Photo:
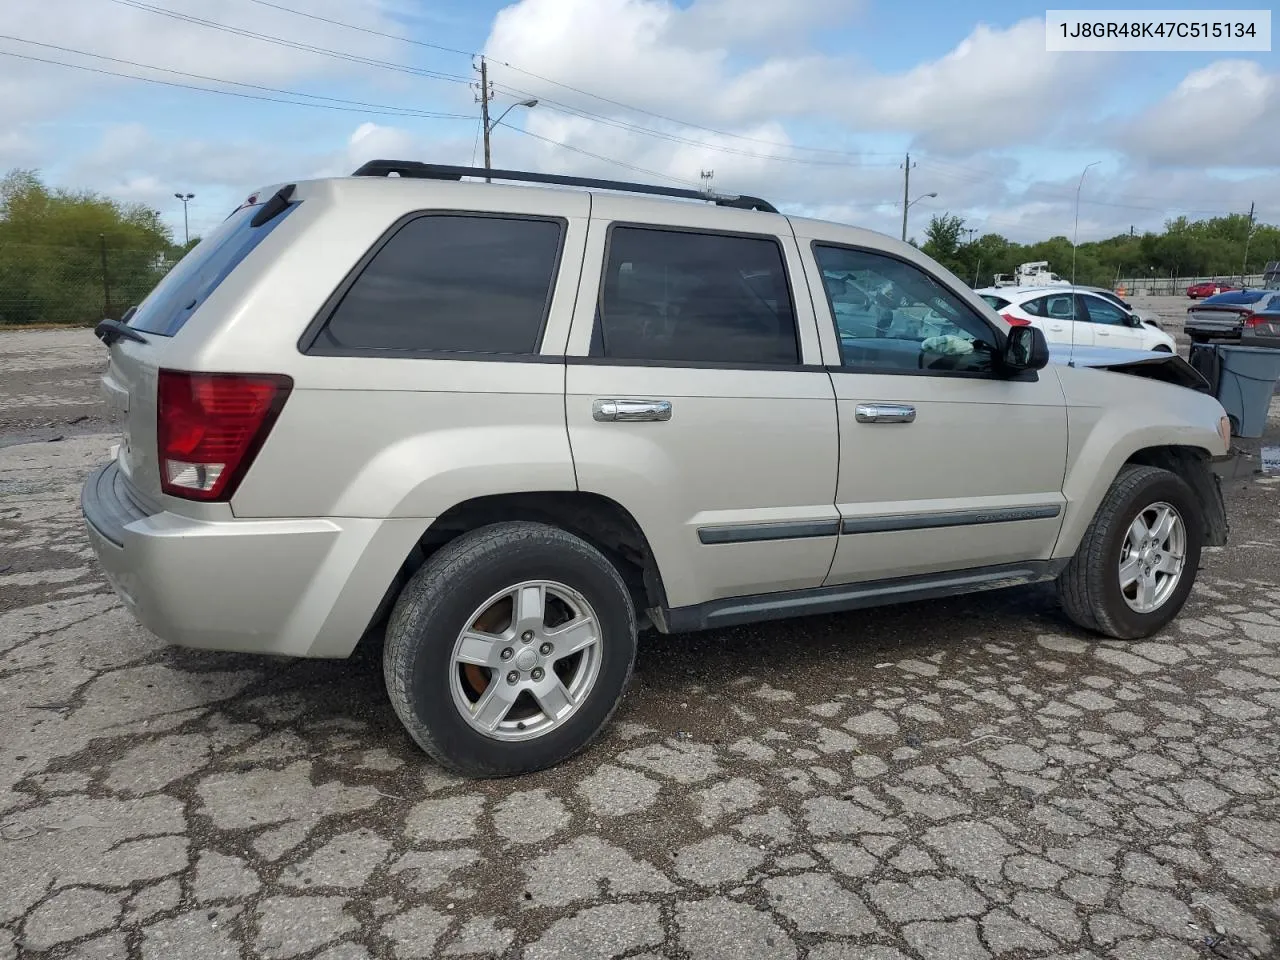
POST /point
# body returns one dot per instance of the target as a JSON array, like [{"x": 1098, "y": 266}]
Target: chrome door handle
[
  {"x": 884, "y": 413},
  {"x": 613, "y": 411}
]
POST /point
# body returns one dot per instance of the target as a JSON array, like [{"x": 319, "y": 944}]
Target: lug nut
[
  {"x": 545, "y": 649},
  {"x": 527, "y": 636},
  {"x": 512, "y": 677},
  {"x": 507, "y": 653},
  {"x": 537, "y": 673}
]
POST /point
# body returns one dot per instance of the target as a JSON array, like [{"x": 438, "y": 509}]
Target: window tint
[
  {"x": 197, "y": 275},
  {"x": 677, "y": 296},
  {"x": 1058, "y": 306},
  {"x": 892, "y": 315},
  {"x": 998, "y": 303},
  {"x": 446, "y": 283},
  {"x": 1100, "y": 311}
]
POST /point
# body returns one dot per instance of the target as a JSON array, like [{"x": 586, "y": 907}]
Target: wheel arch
[
  {"x": 1191, "y": 462},
  {"x": 604, "y": 523}
]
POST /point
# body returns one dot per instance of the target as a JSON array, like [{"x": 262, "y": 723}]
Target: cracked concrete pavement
[{"x": 967, "y": 778}]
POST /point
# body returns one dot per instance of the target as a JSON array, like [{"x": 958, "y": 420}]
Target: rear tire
[
  {"x": 471, "y": 663},
  {"x": 1095, "y": 588}
]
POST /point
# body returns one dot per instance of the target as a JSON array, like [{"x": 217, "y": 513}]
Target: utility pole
[
  {"x": 706, "y": 176},
  {"x": 906, "y": 195},
  {"x": 971, "y": 231},
  {"x": 485, "y": 94},
  {"x": 1244, "y": 267}
]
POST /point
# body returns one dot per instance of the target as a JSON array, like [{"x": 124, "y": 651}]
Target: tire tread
[{"x": 453, "y": 563}]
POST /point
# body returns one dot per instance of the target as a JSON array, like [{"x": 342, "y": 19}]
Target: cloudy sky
[{"x": 810, "y": 103}]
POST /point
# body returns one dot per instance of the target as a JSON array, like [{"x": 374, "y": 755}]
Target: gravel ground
[{"x": 958, "y": 779}]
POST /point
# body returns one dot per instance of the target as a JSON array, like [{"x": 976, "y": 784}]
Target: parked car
[
  {"x": 509, "y": 426},
  {"x": 1228, "y": 316},
  {"x": 1209, "y": 288},
  {"x": 1074, "y": 315}
]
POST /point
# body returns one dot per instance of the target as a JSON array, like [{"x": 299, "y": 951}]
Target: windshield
[
  {"x": 198, "y": 274},
  {"x": 997, "y": 303}
]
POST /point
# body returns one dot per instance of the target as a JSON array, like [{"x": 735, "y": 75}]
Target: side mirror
[{"x": 1025, "y": 349}]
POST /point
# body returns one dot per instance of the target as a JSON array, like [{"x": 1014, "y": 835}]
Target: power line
[
  {"x": 596, "y": 156},
  {"x": 227, "y": 93},
  {"x": 368, "y": 30},
  {"x": 293, "y": 44},
  {"x": 388, "y": 109},
  {"x": 564, "y": 86}
]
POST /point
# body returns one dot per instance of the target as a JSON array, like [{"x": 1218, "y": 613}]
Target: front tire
[
  {"x": 510, "y": 649},
  {"x": 1138, "y": 559}
]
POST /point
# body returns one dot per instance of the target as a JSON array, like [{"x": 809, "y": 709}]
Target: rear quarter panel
[
  {"x": 387, "y": 437},
  {"x": 1110, "y": 417}
]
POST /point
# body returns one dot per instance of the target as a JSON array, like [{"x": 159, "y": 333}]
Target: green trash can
[{"x": 1246, "y": 382}]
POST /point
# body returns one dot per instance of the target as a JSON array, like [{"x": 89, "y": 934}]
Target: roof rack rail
[{"x": 439, "y": 171}]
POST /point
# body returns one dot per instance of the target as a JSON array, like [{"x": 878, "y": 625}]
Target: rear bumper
[{"x": 296, "y": 587}]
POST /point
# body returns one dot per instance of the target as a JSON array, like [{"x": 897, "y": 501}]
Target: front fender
[{"x": 1113, "y": 419}]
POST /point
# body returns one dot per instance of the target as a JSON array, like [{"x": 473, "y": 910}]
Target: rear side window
[
  {"x": 676, "y": 296},
  {"x": 198, "y": 274},
  {"x": 445, "y": 283}
]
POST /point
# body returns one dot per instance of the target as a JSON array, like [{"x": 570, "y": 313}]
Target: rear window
[
  {"x": 1237, "y": 296},
  {"x": 997, "y": 303},
  {"x": 448, "y": 283},
  {"x": 198, "y": 274}
]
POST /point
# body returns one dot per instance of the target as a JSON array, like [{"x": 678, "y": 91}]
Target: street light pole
[
  {"x": 923, "y": 196},
  {"x": 1075, "y": 230},
  {"x": 186, "y": 224},
  {"x": 489, "y": 126}
]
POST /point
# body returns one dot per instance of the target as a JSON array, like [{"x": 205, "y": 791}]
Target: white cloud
[
  {"x": 129, "y": 33},
  {"x": 1224, "y": 115}
]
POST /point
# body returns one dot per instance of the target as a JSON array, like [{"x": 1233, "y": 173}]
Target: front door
[
  {"x": 696, "y": 399},
  {"x": 944, "y": 463},
  {"x": 1111, "y": 326}
]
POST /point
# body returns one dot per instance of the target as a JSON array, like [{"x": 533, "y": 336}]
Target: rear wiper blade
[{"x": 109, "y": 331}]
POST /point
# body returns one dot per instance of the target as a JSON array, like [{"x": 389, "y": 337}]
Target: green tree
[
  {"x": 53, "y": 244},
  {"x": 942, "y": 241}
]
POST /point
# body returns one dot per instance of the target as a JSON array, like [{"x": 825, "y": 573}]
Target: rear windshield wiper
[{"x": 109, "y": 331}]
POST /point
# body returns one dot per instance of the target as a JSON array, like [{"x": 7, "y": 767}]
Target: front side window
[
  {"x": 680, "y": 297},
  {"x": 446, "y": 283},
  {"x": 893, "y": 316},
  {"x": 1100, "y": 311}
]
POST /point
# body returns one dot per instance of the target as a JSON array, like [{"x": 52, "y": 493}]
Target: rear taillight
[
  {"x": 1254, "y": 320},
  {"x": 210, "y": 426},
  {"x": 1015, "y": 321}
]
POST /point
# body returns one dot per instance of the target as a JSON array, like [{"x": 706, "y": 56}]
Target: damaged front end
[{"x": 1154, "y": 365}]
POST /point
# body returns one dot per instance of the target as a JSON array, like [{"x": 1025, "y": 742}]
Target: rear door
[
  {"x": 1109, "y": 324},
  {"x": 1058, "y": 315},
  {"x": 696, "y": 397},
  {"x": 130, "y": 381}
]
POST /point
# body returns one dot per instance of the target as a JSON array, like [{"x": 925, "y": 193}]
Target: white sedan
[{"x": 1076, "y": 316}]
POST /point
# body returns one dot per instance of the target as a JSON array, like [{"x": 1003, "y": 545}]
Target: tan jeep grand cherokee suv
[{"x": 513, "y": 423}]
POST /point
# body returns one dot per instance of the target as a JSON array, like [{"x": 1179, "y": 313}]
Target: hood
[{"x": 1154, "y": 365}]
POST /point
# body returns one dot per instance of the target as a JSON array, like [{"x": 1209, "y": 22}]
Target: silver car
[{"x": 510, "y": 427}]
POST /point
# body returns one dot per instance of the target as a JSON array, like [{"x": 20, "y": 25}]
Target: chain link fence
[
  {"x": 74, "y": 284},
  {"x": 1177, "y": 286}
]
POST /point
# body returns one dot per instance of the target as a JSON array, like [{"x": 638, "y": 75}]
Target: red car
[{"x": 1209, "y": 288}]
